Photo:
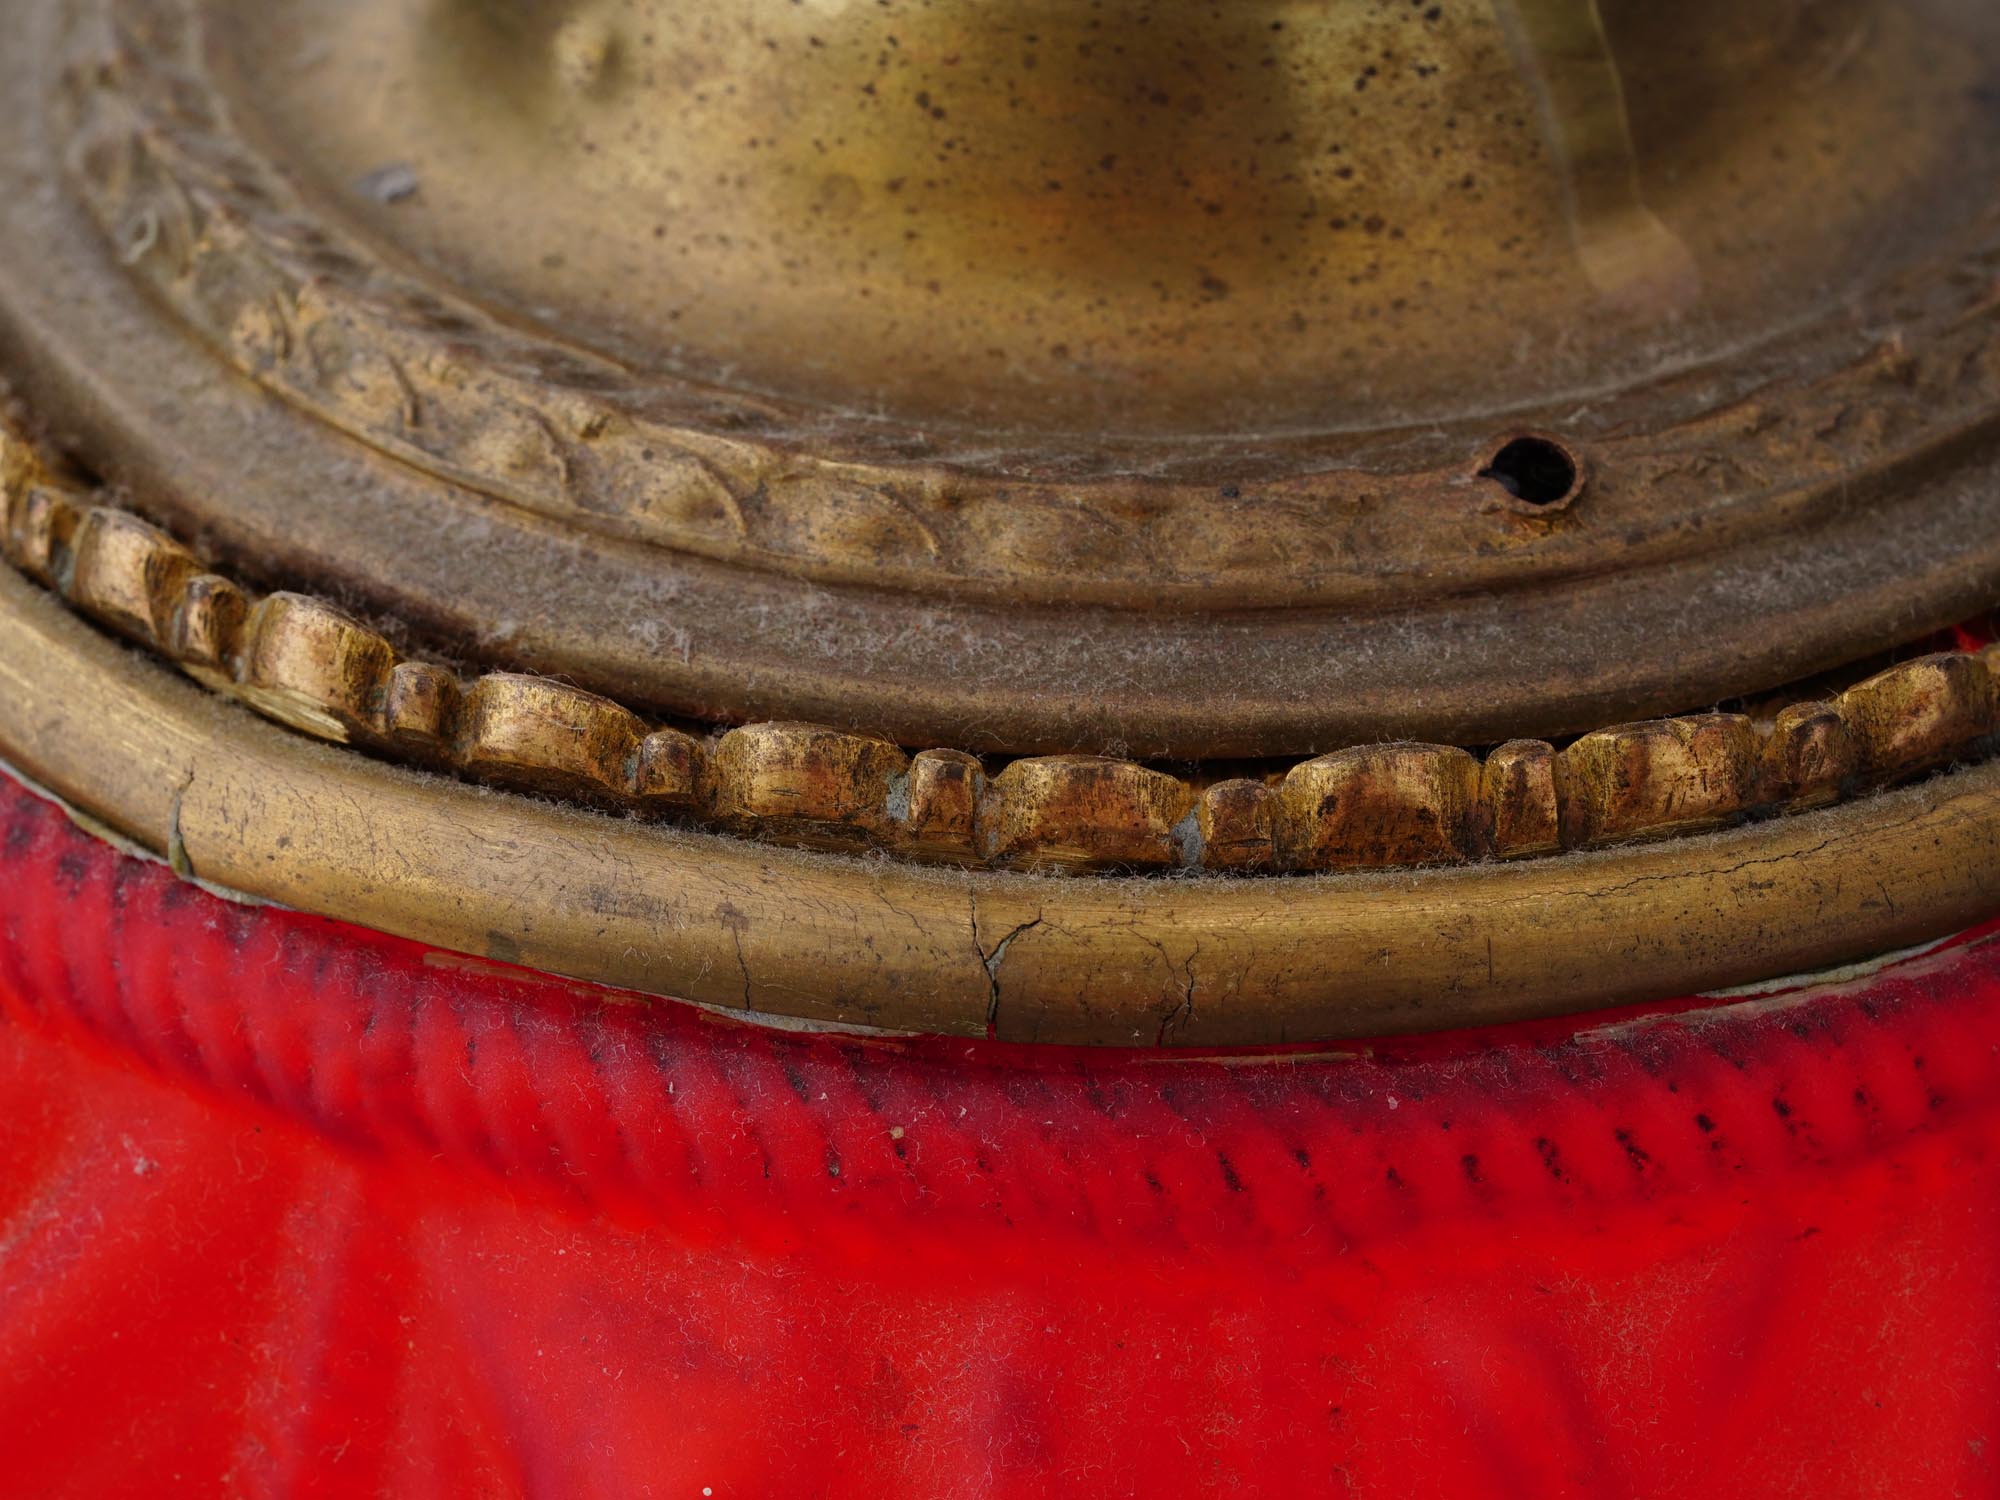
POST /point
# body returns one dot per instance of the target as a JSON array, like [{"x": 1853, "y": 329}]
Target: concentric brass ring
[
  {"x": 301, "y": 661},
  {"x": 785, "y": 933}
]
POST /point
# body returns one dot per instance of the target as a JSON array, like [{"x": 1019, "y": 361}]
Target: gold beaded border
[{"x": 302, "y": 662}]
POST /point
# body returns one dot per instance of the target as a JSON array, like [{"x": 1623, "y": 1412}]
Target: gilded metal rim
[
  {"x": 302, "y": 662},
  {"x": 246, "y": 806}
]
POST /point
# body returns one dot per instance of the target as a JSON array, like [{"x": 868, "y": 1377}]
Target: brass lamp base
[{"x": 1029, "y": 458}]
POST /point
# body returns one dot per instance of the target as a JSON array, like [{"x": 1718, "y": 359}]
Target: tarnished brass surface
[
  {"x": 1071, "y": 229},
  {"x": 782, "y": 932},
  {"x": 1724, "y": 260}
]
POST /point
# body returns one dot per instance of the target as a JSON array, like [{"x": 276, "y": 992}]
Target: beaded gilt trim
[{"x": 302, "y": 662}]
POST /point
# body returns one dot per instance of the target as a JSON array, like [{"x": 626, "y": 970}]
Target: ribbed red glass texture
[{"x": 292, "y": 1208}]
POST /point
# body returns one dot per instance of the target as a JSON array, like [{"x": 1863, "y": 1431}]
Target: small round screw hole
[{"x": 1533, "y": 469}]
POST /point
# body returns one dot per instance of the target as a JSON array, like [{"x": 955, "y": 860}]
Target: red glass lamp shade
[{"x": 288, "y": 1207}]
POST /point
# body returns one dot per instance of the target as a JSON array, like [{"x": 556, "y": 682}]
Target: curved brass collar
[{"x": 721, "y": 921}]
